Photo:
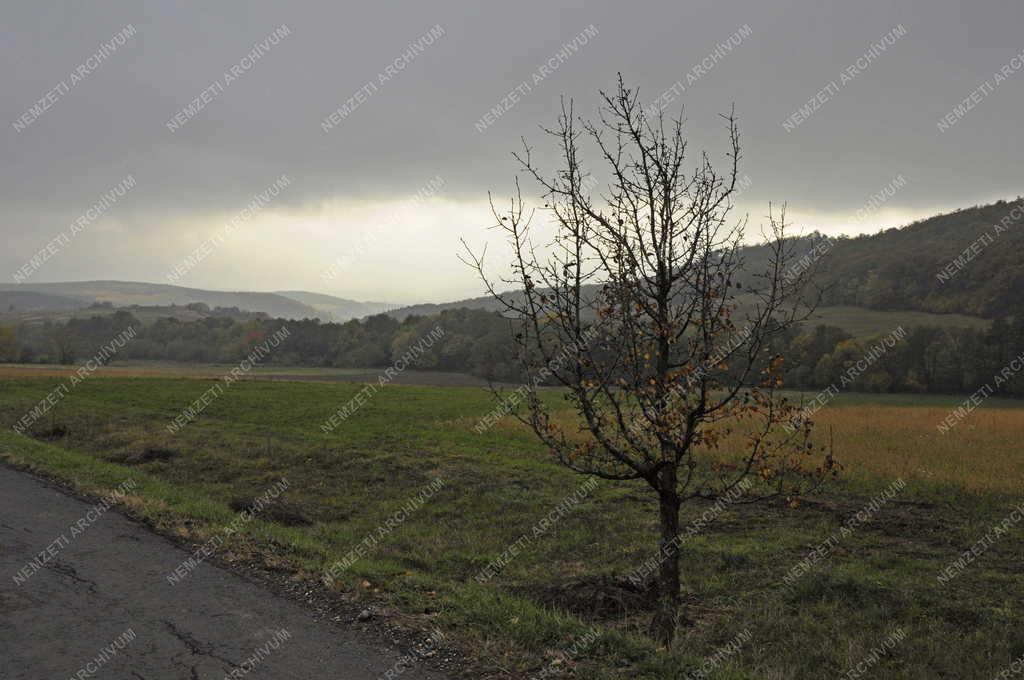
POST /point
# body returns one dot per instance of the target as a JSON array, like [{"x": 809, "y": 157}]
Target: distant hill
[
  {"x": 145, "y": 314},
  {"x": 127, "y": 293},
  {"x": 960, "y": 262},
  {"x": 427, "y": 309},
  {"x": 336, "y": 308},
  {"x": 31, "y": 301}
]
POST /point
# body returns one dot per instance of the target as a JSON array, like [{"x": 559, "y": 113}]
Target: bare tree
[
  {"x": 642, "y": 309},
  {"x": 63, "y": 343}
]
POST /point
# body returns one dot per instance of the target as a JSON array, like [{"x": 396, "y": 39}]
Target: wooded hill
[{"x": 970, "y": 262}]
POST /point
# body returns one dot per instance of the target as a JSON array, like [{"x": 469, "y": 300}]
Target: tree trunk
[{"x": 663, "y": 626}]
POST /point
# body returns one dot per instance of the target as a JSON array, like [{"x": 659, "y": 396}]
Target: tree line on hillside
[{"x": 479, "y": 343}]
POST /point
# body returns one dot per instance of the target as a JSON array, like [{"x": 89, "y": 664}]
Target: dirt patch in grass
[
  {"x": 894, "y": 513},
  {"x": 280, "y": 511},
  {"x": 52, "y": 433},
  {"x": 146, "y": 455},
  {"x": 594, "y": 597}
]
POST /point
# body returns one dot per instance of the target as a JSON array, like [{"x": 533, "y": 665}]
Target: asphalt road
[{"x": 98, "y": 604}]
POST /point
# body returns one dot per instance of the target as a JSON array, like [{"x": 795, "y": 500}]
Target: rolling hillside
[
  {"x": 295, "y": 304},
  {"x": 336, "y": 308},
  {"x": 428, "y": 309},
  {"x": 126, "y": 293},
  {"x": 969, "y": 261},
  {"x": 29, "y": 300}
]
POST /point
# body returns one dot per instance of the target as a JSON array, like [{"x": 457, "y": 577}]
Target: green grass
[
  {"x": 171, "y": 369},
  {"x": 566, "y": 582},
  {"x": 861, "y": 322}
]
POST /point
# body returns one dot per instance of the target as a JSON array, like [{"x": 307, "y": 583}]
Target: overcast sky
[{"x": 376, "y": 199}]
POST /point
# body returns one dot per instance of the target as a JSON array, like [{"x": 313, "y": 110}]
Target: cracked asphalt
[{"x": 99, "y": 605}]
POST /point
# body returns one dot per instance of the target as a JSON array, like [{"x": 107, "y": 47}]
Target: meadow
[
  {"x": 861, "y": 322},
  {"x": 763, "y": 598}
]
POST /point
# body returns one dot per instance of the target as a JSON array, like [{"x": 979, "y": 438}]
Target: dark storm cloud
[{"x": 205, "y": 104}]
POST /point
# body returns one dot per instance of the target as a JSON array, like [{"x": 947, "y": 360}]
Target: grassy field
[
  {"x": 166, "y": 369},
  {"x": 861, "y": 322},
  {"x": 563, "y": 601}
]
